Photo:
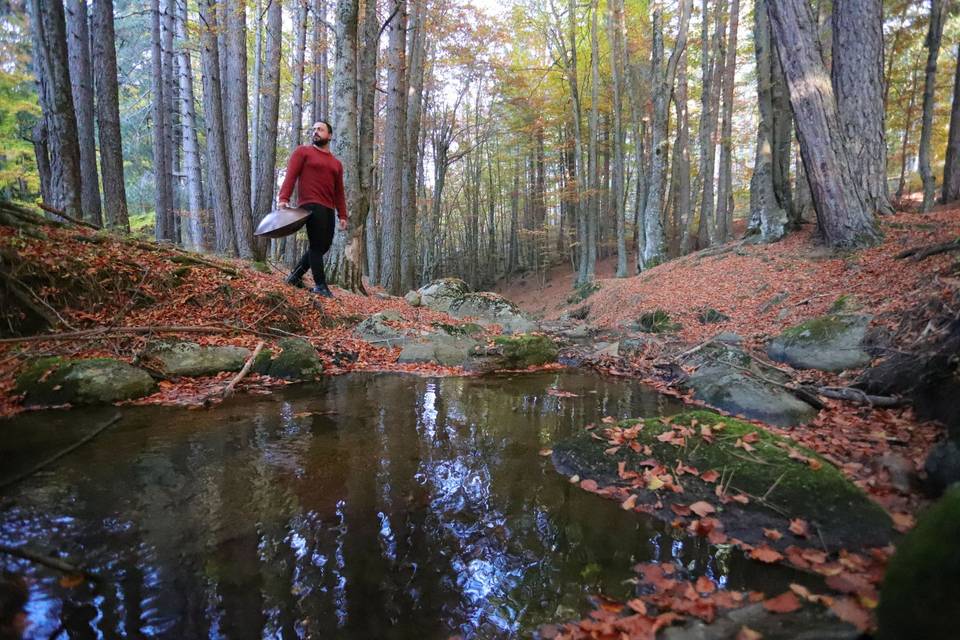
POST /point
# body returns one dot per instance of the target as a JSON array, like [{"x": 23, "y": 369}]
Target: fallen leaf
[
  {"x": 773, "y": 534},
  {"x": 574, "y": 479},
  {"x": 638, "y": 606},
  {"x": 655, "y": 483},
  {"x": 848, "y": 610},
  {"x": 588, "y": 485},
  {"x": 786, "y": 602},
  {"x": 546, "y": 452},
  {"x": 765, "y": 553},
  {"x": 629, "y": 503},
  {"x": 702, "y": 508},
  {"x": 746, "y": 633},
  {"x": 680, "y": 509},
  {"x": 705, "y": 585},
  {"x": 798, "y": 527},
  {"x": 710, "y": 476},
  {"x": 903, "y": 522}
]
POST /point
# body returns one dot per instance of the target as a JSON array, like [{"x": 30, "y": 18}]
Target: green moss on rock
[
  {"x": 298, "y": 361},
  {"x": 823, "y": 496},
  {"x": 48, "y": 381},
  {"x": 921, "y": 588},
  {"x": 656, "y": 321},
  {"x": 525, "y": 350}
]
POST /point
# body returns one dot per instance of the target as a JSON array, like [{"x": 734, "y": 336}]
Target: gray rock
[
  {"x": 173, "y": 359},
  {"x": 440, "y": 348},
  {"x": 606, "y": 349},
  {"x": 491, "y": 308},
  {"x": 412, "y": 298},
  {"x": 439, "y": 294},
  {"x": 99, "y": 380},
  {"x": 942, "y": 466},
  {"x": 737, "y": 392},
  {"x": 577, "y": 333},
  {"x": 297, "y": 361},
  {"x": 634, "y": 346},
  {"x": 828, "y": 343},
  {"x": 728, "y": 337},
  {"x": 376, "y": 330},
  {"x": 807, "y": 623}
]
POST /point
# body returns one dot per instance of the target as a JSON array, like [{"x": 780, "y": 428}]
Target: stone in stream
[
  {"x": 810, "y": 622},
  {"x": 921, "y": 587},
  {"x": 54, "y": 380},
  {"x": 802, "y": 486},
  {"x": 453, "y": 296},
  {"x": 729, "y": 379},
  {"x": 515, "y": 352},
  {"x": 298, "y": 360},
  {"x": 173, "y": 359},
  {"x": 833, "y": 342},
  {"x": 376, "y": 330},
  {"x": 440, "y": 348},
  {"x": 439, "y": 294}
]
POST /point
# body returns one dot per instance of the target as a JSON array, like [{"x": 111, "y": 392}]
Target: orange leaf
[
  {"x": 705, "y": 585},
  {"x": 848, "y": 610},
  {"x": 783, "y": 603},
  {"x": 710, "y": 476},
  {"x": 773, "y": 534},
  {"x": 765, "y": 553},
  {"x": 746, "y": 633},
  {"x": 702, "y": 508},
  {"x": 798, "y": 527}
]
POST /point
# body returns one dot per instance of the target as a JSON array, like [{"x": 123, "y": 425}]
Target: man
[{"x": 320, "y": 186}]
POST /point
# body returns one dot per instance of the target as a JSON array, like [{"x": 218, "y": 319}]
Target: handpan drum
[{"x": 282, "y": 222}]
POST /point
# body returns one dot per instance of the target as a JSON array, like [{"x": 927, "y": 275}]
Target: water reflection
[{"x": 364, "y": 506}]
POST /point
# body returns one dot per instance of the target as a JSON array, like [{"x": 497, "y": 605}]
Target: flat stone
[
  {"x": 439, "y": 294},
  {"x": 173, "y": 359},
  {"x": 439, "y": 348},
  {"x": 829, "y": 343},
  {"x": 48, "y": 381}
]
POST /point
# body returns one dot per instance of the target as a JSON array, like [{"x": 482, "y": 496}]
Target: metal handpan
[{"x": 282, "y": 222}]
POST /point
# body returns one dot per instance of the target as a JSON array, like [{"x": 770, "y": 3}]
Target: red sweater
[{"x": 321, "y": 179}]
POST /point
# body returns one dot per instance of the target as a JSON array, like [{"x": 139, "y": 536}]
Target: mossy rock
[
  {"x": 260, "y": 266},
  {"x": 832, "y": 342},
  {"x": 582, "y": 292},
  {"x": 842, "y": 513},
  {"x": 49, "y": 381},
  {"x": 656, "y": 321},
  {"x": 466, "y": 329},
  {"x": 261, "y": 364},
  {"x": 921, "y": 587},
  {"x": 525, "y": 350},
  {"x": 439, "y": 294},
  {"x": 174, "y": 359},
  {"x": 491, "y": 308},
  {"x": 297, "y": 361},
  {"x": 440, "y": 348}
]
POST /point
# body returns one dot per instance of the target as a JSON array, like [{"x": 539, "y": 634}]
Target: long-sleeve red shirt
[{"x": 321, "y": 179}]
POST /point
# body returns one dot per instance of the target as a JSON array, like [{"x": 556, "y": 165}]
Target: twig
[
  {"x": 24, "y": 286},
  {"x": 47, "y": 561},
  {"x": 243, "y": 372},
  {"x": 86, "y": 334},
  {"x": 82, "y": 441},
  {"x": 856, "y": 395},
  {"x": 774, "y": 485},
  {"x": 58, "y": 212}
]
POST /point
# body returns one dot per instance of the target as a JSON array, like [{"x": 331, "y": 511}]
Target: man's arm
[
  {"x": 294, "y": 167},
  {"x": 341, "y": 199}
]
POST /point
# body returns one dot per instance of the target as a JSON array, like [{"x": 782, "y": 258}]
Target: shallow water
[{"x": 362, "y": 506}]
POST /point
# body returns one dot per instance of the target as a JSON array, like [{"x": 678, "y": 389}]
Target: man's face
[{"x": 321, "y": 135}]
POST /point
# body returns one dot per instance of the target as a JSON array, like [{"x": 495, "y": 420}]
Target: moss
[
  {"x": 525, "y": 350},
  {"x": 816, "y": 329},
  {"x": 261, "y": 266},
  {"x": 466, "y": 329},
  {"x": 656, "y": 321},
  {"x": 822, "y": 495},
  {"x": 582, "y": 292},
  {"x": 96, "y": 380},
  {"x": 298, "y": 361},
  {"x": 710, "y": 316},
  {"x": 921, "y": 587}
]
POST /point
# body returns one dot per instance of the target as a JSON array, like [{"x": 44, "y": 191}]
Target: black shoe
[
  {"x": 295, "y": 278},
  {"x": 323, "y": 290}
]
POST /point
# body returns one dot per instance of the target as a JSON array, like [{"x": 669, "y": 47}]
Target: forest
[{"x": 644, "y": 319}]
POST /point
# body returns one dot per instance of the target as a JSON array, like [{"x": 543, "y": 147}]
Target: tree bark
[
  {"x": 843, "y": 215},
  {"x": 235, "y": 99},
  {"x": 680, "y": 165},
  {"x": 409, "y": 209},
  {"x": 593, "y": 134},
  {"x": 108, "y": 115},
  {"x": 932, "y": 43},
  {"x": 269, "y": 100},
  {"x": 171, "y": 110},
  {"x": 188, "y": 130},
  {"x": 218, "y": 175},
  {"x": 321, "y": 92},
  {"x": 766, "y": 215},
  {"x": 725, "y": 203},
  {"x": 162, "y": 170},
  {"x": 81, "y": 78},
  {"x": 56, "y": 101},
  {"x": 908, "y": 126},
  {"x": 617, "y": 37},
  {"x": 951, "y": 166},
  {"x": 711, "y": 58},
  {"x": 857, "y": 78}
]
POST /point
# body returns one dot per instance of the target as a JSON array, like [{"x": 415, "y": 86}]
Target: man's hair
[{"x": 329, "y": 127}]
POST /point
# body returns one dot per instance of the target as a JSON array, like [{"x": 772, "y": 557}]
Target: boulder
[
  {"x": 829, "y": 343},
  {"x": 942, "y": 467},
  {"x": 298, "y": 360},
  {"x": 522, "y": 351},
  {"x": 491, "y": 308},
  {"x": 412, "y": 298},
  {"x": 439, "y": 294},
  {"x": 440, "y": 348},
  {"x": 173, "y": 359},
  {"x": 921, "y": 587},
  {"x": 796, "y": 482},
  {"x": 376, "y": 330},
  {"x": 93, "y": 381},
  {"x": 730, "y": 379}
]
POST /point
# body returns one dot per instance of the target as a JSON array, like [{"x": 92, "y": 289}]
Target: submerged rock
[
  {"x": 796, "y": 482},
  {"x": 440, "y": 348},
  {"x": 99, "y": 380},
  {"x": 520, "y": 352},
  {"x": 730, "y": 379},
  {"x": 921, "y": 587},
  {"x": 173, "y": 359},
  {"x": 829, "y": 343}
]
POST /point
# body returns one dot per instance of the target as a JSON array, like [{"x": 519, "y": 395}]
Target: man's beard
[{"x": 320, "y": 143}]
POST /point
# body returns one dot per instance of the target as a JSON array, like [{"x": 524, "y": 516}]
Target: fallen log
[
  {"x": 925, "y": 251},
  {"x": 88, "y": 334},
  {"x": 62, "y": 214}
]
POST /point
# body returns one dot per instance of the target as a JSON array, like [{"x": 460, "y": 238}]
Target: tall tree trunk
[
  {"x": 908, "y": 125},
  {"x": 725, "y": 203},
  {"x": 843, "y": 216},
  {"x": 56, "y": 101},
  {"x": 235, "y": 99},
  {"x": 711, "y": 58},
  {"x": 680, "y": 164},
  {"x": 617, "y": 37},
  {"x": 593, "y": 133},
  {"x": 162, "y": 170},
  {"x": 932, "y": 43},
  {"x": 269, "y": 100},
  {"x": 297, "y": 72},
  {"x": 951, "y": 166},
  {"x": 188, "y": 127},
  {"x": 81, "y": 78},
  {"x": 218, "y": 175},
  {"x": 394, "y": 148},
  {"x": 255, "y": 143},
  {"x": 321, "y": 93},
  {"x": 408, "y": 208},
  {"x": 171, "y": 108},
  {"x": 766, "y": 215},
  {"x": 344, "y": 261},
  {"x": 857, "y": 77},
  {"x": 782, "y": 137},
  {"x": 108, "y": 115}
]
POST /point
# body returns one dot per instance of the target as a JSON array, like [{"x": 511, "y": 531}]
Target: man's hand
[
  {"x": 343, "y": 224},
  {"x": 284, "y": 204}
]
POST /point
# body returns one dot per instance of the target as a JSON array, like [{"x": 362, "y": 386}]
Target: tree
[
  {"x": 188, "y": 131},
  {"x": 725, "y": 202},
  {"x": 269, "y": 100},
  {"x": 415, "y": 76},
  {"x": 617, "y": 39},
  {"x": 932, "y": 43},
  {"x": 108, "y": 115},
  {"x": 844, "y": 217},
  {"x": 56, "y": 101},
  {"x": 162, "y": 153},
  {"x": 81, "y": 80},
  {"x": 320, "y": 87},
  {"x": 857, "y": 78},
  {"x": 218, "y": 172},
  {"x": 709, "y": 107},
  {"x": 951, "y": 166}
]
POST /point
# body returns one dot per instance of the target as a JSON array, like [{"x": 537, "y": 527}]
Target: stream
[{"x": 360, "y": 506}]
